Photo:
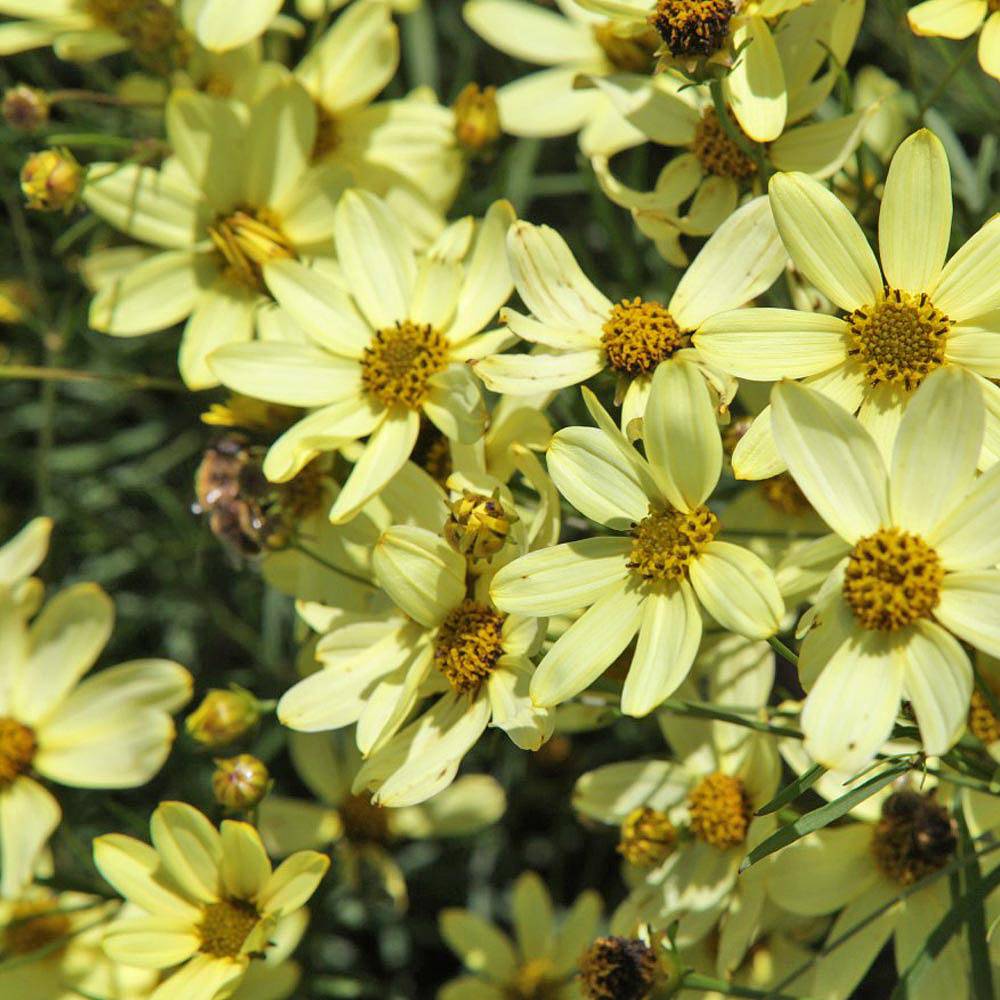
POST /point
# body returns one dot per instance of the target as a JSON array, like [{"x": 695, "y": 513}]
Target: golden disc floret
[
  {"x": 225, "y": 926},
  {"x": 983, "y": 722},
  {"x": 468, "y": 645},
  {"x": 717, "y": 152},
  {"x": 17, "y": 750},
  {"x": 152, "y": 28},
  {"x": 647, "y": 837},
  {"x": 720, "y": 811},
  {"x": 892, "y": 578},
  {"x": 666, "y": 542},
  {"x": 247, "y": 239},
  {"x": 638, "y": 335},
  {"x": 396, "y": 366},
  {"x": 33, "y": 925},
  {"x": 900, "y": 339}
]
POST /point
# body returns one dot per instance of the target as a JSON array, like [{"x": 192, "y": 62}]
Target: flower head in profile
[
  {"x": 211, "y": 899},
  {"x": 586, "y": 333},
  {"x": 215, "y": 216},
  {"x": 111, "y": 730},
  {"x": 918, "y": 568},
  {"x": 960, "y": 19},
  {"x": 541, "y": 960},
  {"x": 902, "y": 321},
  {"x": 666, "y": 565},
  {"x": 384, "y": 343},
  {"x": 161, "y": 34}
]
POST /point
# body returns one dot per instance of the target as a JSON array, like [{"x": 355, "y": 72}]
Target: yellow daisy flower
[
  {"x": 360, "y": 831},
  {"x": 717, "y": 30},
  {"x": 917, "y": 566},
  {"x": 541, "y": 960},
  {"x": 655, "y": 580},
  {"x": 568, "y": 42},
  {"x": 161, "y": 34},
  {"x": 960, "y": 19},
  {"x": 386, "y": 343},
  {"x": 858, "y": 867},
  {"x": 210, "y": 897},
  {"x": 112, "y": 730},
  {"x": 226, "y": 206},
  {"x": 634, "y": 337},
  {"x": 922, "y": 315},
  {"x": 51, "y": 946}
]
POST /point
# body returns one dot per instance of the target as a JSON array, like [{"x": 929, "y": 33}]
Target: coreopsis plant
[
  {"x": 211, "y": 899},
  {"x": 914, "y": 315},
  {"x": 918, "y": 567},
  {"x": 665, "y": 566},
  {"x": 218, "y": 213},
  {"x": 633, "y": 337},
  {"x": 541, "y": 959},
  {"x": 382, "y": 345},
  {"x": 111, "y": 730}
]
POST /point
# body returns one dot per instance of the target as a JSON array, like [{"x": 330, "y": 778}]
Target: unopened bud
[
  {"x": 477, "y": 119},
  {"x": 478, "y": 525},
  {"x": 223, "y": 717},
  {"x": 51, "y": 180},
  {"x": 240, "y": 782},
  {"x": 16, "y": 301},
  {"x": 25, "y": 108}
]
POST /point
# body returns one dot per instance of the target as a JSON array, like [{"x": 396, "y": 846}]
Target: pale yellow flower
[
  {"x": 227, "y": 205},
  {"x": 112, "y": 730},
  {"x": 386, "y": 342},
  {"x": 210, "y": 897},
  {"x": 915, "y": 314},
  {"x": 917, "y": 568},
  {"x": 960, "y": 19},
  {"x": 162, "y": 34},
  {"x": 540, "y": 961},
  {"x": 587, "y": 333},
  {"x": 654, "y": 581}
]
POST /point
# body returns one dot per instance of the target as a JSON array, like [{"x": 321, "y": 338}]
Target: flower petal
[
  {"x": 755, "y": 85},
  {"x": 968, "y": 285},
  {"x": 227, "y": 24},
  {"x": 738, "y": 590},
  {"x": 29, "y": 815},
  {"x": 970, "y": 607},
  {"x": 293, "y": 883},
  {"x": 222, "y": 315},
  {"x": 455, "y": 404},
  {"x": 155, "y": 942},
  {"x": 531, "y": 909},
  {"x": 946, "y": 18},
  {"x": 245, "y": 866},
  {"x": 528, "y": 374},
  {"x": 482, "y": 948},
  {"x": 965, "y": 538},
  {"x": 190, "y": 849}
]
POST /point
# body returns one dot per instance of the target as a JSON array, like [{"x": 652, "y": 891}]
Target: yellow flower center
[
  {"x": 364, "y": 822},
  {"x": 915, "y": 836},
  {"x": 720, "y": 811},
  {"x": 617, "y": 968},
  {"x": 665, "y": 543},
  {"x": 396, "y": 365},
  {"x": 784, "y": 495},
  {"x": 717, "y": 152},
  {"x": 892, "y": 579},
  {"x": 628, "y": 53},
  {"x": 647, "y": 838},
  {"x": 226, "y": 925},
  {"x": 983, "y": 723},
  {"x": 468, "y": 645},
  {"x": 477, "y": 118},
  {"x": 33, "y": 926},
  {"x": 247, "y": 240},
  {"x": 17, "y": 750},
  {"x": 478, "y": 525},
  {"x": 327, "y": 132},
  {"x": 151, "y": 27},
  {"x": 692, "y": 27},
  {"x": 535, "y": 980},
  {"x": 638, "y": 335},
  {"x": 900, "y": 339},
  {"x": 993, "y": 5}
]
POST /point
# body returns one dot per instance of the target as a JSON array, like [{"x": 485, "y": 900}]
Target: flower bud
[
  {"x": 477, "y": 120},
  {"x": 223, "y": 717},
  {"x": 240, "y": 782},
  {"x": 51, "y": 180},
  {"x": 25, "y": 108}
]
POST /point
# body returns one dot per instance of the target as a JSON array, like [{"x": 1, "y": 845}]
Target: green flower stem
[
  {"x": 38, "y": 373},
  {"x": 696, "y": 981},
  {"x": 752, "y": 149},
  {"x": 783, "y": 651}
]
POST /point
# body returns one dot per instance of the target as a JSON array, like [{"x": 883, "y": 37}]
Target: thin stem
[
  {"x": 783, "y": 651},
  {"x": 747, "y": 145},
  {"x": 40, "y": 373},
  {"x": 968, "y": 51},
  {"x": 696, "y": 981},
  {"x": 96, "y": 97}
]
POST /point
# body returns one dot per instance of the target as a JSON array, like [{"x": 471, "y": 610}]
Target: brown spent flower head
[
  {"x": 915, "y": 837},
  {"x": 25, "y": 108},
  {"x": 223, "y": 717},
  {"x": 477, "y": 118},
  {"x": 240, "y": 782},
  {"x": 692, "y": 27},
  {"x": 617, "y": 968},
  {"x": 52, "y": 180}
]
